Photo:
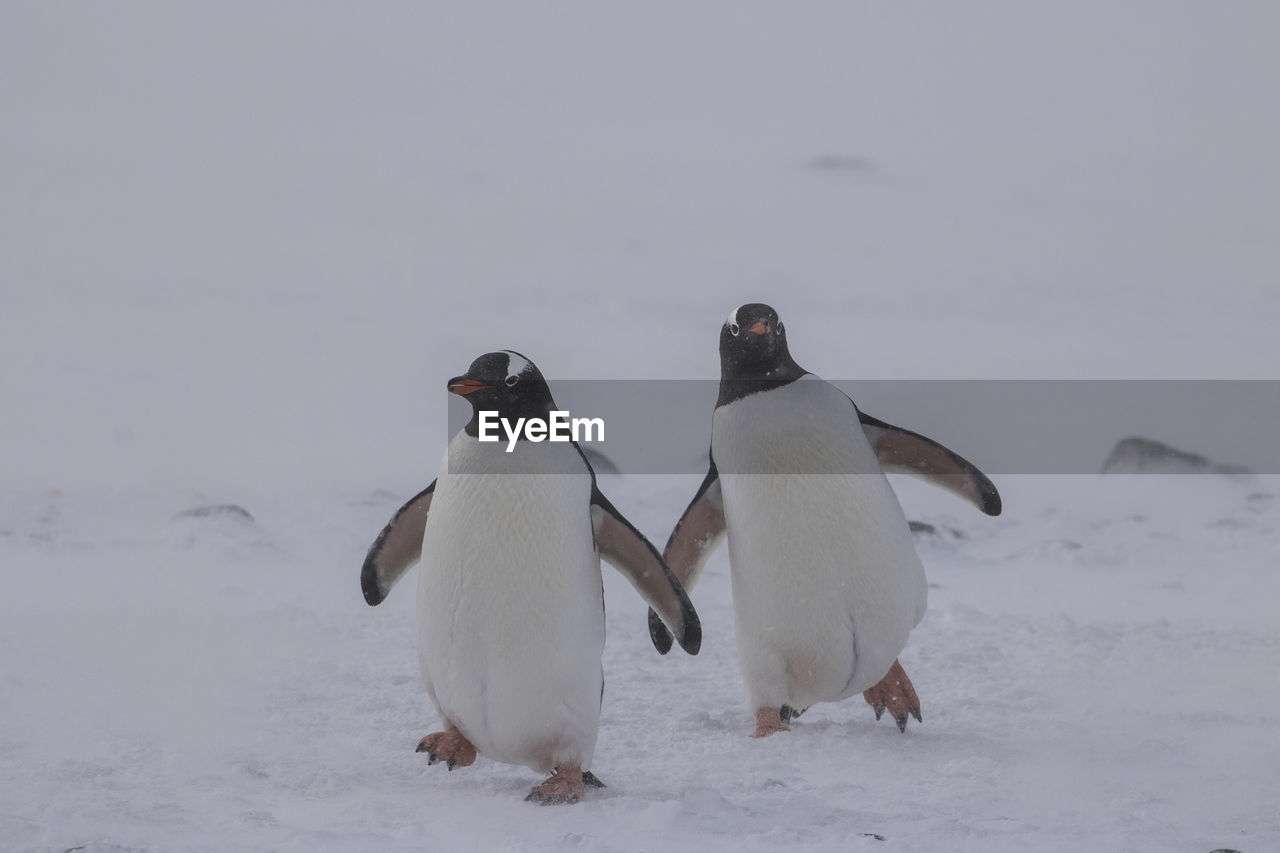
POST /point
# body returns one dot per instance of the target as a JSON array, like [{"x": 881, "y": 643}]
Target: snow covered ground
[{"x": 244, "y": 246}]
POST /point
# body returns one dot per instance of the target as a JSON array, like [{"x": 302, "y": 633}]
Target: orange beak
[
  {"x": 759, "y": 328},
  {"x": 462, "y": 386}
]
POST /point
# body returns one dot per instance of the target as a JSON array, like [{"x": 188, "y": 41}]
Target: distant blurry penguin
[
  {"x": 826, "y": 581},
  {"x": 510, "y": 598}
]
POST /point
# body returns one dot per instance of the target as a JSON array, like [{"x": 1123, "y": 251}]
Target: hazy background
[
  {"x": 242, "y": 246},
  {"x": 230, "y": 226}
]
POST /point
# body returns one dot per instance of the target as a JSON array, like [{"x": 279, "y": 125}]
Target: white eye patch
[{"x": 516, "y": 364}]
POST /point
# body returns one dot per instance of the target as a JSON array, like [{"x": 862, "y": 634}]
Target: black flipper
[
  {"x": 902, "y": 451},
  {"x": 696, "y": 535},
  {"x": 626, "y": 549},
  {"x": 397, "y": 547}
]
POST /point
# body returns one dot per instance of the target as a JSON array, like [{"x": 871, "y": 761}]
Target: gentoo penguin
[
  {"x": 826, "y": 581},
  {"x": 510, "y": 597}
]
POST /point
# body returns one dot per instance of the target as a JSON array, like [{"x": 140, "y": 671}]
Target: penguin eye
[
  {"x": 734, "y": 329},
  {"x": 512, "y": 380},
  {"x": 781, "y": 328}
]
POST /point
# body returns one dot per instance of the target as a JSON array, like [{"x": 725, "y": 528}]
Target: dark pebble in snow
[{"x": 231, "y": 511}]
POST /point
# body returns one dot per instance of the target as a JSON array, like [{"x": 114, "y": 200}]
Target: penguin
[
  {"x": 510, "y": 595},
  {"x": 826, "y": 581}
]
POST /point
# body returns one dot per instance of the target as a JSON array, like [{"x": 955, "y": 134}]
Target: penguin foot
[
  {"x": 564, "y": 786},
  {"x": 450, "y": 747},
  {"x": 770, "y": 721},
  {"x": 895, "y": 694}
]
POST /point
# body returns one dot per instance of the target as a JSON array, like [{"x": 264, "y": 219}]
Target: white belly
[
  {"x": 510, "y": 604},
  {"x": 826, "y": 581}
]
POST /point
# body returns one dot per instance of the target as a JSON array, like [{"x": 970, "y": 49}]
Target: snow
[{"x": 245, "y": 246}]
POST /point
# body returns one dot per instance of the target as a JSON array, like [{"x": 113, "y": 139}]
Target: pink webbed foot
[
  {"x": 896, "y": 694},
  {"x": 565, "y": 786},
  {"x": 770, "y": 721},
  {"x": 450, "y": 747}
]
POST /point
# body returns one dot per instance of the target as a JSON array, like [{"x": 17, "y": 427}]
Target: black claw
[
  {"x": 879, "y": 709},
  {"x": 915, "y": 712},
  {"x": 534, "y": 797},
  {"x": 422, "y": 747},
  {"x": 589, "y": 780},
  {"x": 902, "y": 723},
  {"x": 432, "y": 758},
  {"x": 453, "y": 762}
]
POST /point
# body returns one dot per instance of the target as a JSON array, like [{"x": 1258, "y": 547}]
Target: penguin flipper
[
  {"x": 902, "y": 451},
  {"x": 626, "y": 549},
  {"x": 698, "y": 532},
  {"x": 397, "y": 547}
]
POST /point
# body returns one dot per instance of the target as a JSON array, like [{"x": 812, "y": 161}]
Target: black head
[
  {"x": 504, "y": 382},
  {"x": 753, "y": 353}
]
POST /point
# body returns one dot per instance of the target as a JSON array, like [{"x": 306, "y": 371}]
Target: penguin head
[
  {"x": 753, "y": 342},
  {"x": 753, "y": 353},
  {"x": 505, "y": 382}
]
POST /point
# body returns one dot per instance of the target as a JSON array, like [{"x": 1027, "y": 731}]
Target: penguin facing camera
[{"x": 826, "y": 581}]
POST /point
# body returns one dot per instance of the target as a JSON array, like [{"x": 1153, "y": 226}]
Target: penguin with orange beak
[
  {"x": 826, "y": 581},
  {"x": 510, "y": 597}
]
